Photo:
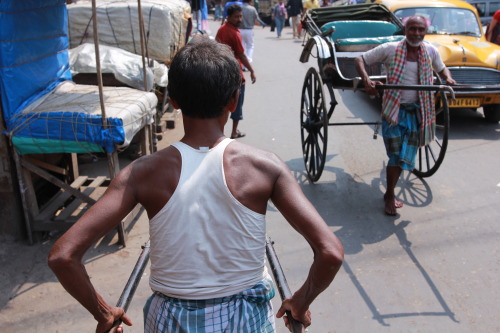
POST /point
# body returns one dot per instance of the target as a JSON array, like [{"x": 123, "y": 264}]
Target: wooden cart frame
[{"x": 77, "y": 193}]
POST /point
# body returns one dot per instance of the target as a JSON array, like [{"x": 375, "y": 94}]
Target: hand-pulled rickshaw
[{"x": 337, "y": 36}]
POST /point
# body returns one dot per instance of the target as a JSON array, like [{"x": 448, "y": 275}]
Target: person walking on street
[
  {"x": 308, "y": 5},
  {"x": 279, "y": 16},
  {"x": 217, "y": 10},
  {"x": 206, "y": 216},
  {"x": 408, "y": 115},
  {"x": 250, "y": 16},
  {"x": 229, "y": 34},
  {"x": 295, "y": 10},
  {"x": 493, "y": 31}
]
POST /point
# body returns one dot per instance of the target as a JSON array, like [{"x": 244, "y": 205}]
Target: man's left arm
[
  {"x": 236, "y": 45},
  {"x": 328, "y": 251},
  {"x": 244, "y": 60},
  {"x": 438, "y": 63},
  {"x": 446, "y": 75}
]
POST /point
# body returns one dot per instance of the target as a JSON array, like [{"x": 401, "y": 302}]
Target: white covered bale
[{"x": 165, "y": 22}]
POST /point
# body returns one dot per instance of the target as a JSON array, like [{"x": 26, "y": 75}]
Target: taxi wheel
[{"x": 492, "y": 112}]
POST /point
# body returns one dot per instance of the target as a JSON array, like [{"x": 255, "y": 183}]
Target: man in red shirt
[{"x": 229, "y": 34}]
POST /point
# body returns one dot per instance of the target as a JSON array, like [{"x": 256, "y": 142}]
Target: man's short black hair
[
  {"x": 234, "y": 8},
  {"x": 202, "y": 78}
]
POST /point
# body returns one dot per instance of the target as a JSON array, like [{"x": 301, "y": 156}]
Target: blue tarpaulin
[
  {"x": 33, "y": 51},
  {"x": 33, "y": 62}
]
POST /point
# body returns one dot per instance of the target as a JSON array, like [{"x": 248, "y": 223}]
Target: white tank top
[
  {"x": 205, "y": 243},
  {"x": 410, "y": 78}
]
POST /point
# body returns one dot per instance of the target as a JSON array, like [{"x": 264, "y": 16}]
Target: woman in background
[{"x": 279, "y": 16}]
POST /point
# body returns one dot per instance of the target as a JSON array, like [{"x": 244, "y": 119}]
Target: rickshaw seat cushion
[
  {"x": 363, "y": 44},
  {"x": 360, "y": 29}
]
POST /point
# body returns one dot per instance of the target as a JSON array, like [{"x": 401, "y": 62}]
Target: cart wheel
[
  {"x": 313, "y": 124},
  {"x": 431, "y": 156}
]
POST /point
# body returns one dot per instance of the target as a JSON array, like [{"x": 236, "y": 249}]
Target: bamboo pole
[
  {"x": 113, "y": 164},
  {"x": 142, "y": 30},
  {"x": 142, "y": 40}
]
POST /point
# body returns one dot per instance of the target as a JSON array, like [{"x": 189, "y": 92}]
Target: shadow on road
[
  {"x": 399, "y": 231},
  {"x": 357, "y": 208}
]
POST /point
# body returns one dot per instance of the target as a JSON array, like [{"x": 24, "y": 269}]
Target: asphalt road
[{"x": 432, "y": 268}]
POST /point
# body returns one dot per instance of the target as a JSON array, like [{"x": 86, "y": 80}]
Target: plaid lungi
[
  {"x": 247, "y": 312},
  {"x": 402, "y": 140}
]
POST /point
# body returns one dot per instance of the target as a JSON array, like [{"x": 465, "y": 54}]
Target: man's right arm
[
  {"x": 65, "y": 257},
  {"x": 377, "y": 54},
  {"x": 328, "y": 252},
  {"x": 369, "y": 85}
]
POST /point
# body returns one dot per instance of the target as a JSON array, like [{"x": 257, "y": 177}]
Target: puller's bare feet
[
  {"x": 397, "y": 203},
  {"x": 391, "y": 204}
]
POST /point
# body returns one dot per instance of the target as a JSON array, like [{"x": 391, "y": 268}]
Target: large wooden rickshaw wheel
[
  {"x": 313, "y": 124},
  {"x": 430, "y": 157}
]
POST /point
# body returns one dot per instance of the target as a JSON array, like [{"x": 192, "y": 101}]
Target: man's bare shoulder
[
  {"x": 241, "y": 154},
  {"x": 251, "y": 174},
  {"x": 156, "y": 168},
  {"x": 165, "y": 157},
  {"x": 152, "y": 178}
]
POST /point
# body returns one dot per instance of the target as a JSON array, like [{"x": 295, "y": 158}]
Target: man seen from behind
[{"x": 206, "y": 198}]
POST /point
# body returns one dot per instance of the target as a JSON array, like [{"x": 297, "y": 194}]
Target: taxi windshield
[{"x": 445, "y": 21}]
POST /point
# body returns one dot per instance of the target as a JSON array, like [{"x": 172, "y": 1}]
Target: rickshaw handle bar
[
  {"x": 279, "y": 278},
  {"x": 133, "y": 281},
  {"x": 439, "y": 87},
  {"x": 140, "y": 266}
]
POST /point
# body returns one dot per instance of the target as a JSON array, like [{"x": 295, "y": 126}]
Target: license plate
[{"x": 471, "y": 102}]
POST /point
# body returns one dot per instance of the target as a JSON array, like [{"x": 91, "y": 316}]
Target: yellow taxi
[{"x": 455, "y": 29}]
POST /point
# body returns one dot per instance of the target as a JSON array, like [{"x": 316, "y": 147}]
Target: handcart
[
  {"x": 337, "y": 36},
  {"x": 272, "y": 257}
]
